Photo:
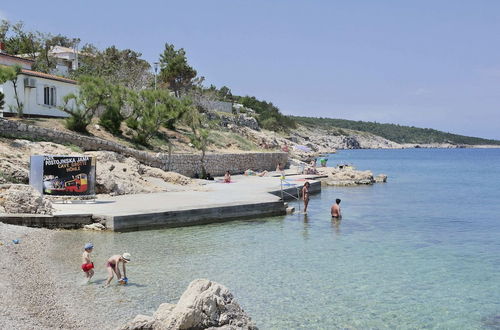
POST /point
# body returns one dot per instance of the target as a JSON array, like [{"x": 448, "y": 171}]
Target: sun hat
[
  {"x": 126, "y": 256},
  {"x": 89, "y": 246}
]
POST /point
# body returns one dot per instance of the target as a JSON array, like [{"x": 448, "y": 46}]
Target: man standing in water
[{"x": 336, "y": 210}]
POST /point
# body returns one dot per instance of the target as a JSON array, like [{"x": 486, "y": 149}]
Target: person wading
[
  {"x": 336, "y": 210},
  {"x": 305, "y": 195}
]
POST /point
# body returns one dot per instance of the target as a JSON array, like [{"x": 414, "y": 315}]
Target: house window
[{"x": 49, "y": 96}]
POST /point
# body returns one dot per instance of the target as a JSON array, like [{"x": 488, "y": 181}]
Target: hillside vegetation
[{"x": 393, "y": 132}]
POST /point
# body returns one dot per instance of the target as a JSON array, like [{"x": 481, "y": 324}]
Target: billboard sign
[{"x": 63, "y": 175}]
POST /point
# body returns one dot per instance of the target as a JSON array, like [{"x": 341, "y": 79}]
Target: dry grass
[{"x": 220, "y": 140}]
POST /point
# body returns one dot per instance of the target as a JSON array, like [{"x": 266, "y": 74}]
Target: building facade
[{"x": 41, "y": 94}]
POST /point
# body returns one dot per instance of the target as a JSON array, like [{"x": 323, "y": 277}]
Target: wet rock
[
  {"x": 381, "y": 178},
  {"x": 94, "y": 226},
  {"x": 204, "y": 305},
  {"x": 346, "y": 176},
  {"x": 140, "y": 322}
]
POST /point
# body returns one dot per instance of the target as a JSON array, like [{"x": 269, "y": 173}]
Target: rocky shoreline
[
  {"x": 348, "y": 176},
  {"x": 33, "y": 297}
]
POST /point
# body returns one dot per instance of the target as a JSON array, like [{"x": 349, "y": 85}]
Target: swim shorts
[{"x": 87, "y": 267}]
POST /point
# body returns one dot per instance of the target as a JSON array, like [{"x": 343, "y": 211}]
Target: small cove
[{"x": 420, "y": 251}]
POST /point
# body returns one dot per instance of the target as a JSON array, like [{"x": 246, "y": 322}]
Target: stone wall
[{"x": 186, "y": 164}]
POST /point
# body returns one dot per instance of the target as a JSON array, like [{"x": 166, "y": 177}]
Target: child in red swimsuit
[{"x": 88, "y": 265}]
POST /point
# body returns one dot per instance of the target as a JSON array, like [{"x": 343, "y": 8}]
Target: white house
[
  {"x": 41, "y": 93},
  {"x": 66, "y": 59}
]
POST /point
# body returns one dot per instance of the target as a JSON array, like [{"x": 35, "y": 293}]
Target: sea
[{"x": 421, "y": 251}]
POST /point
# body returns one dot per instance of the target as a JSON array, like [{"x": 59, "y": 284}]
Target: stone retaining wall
[{"x": 186, "y": 164}]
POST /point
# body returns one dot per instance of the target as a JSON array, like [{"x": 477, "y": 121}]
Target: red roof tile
[
  {"x": 18, "y": 58},
  {"x": 47, "y": 76}
]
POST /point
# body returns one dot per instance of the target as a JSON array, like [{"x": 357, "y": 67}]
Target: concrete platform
[
  {"x": 73, "y": 221},
  {"x": 246, "y": 197}
]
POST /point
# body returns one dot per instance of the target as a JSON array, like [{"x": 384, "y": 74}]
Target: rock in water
[
  {"x": 141, "y": 322},
  {"x": 381, "y": 178},
  {"x": 204, "y": 305},
  {"x": 94, "y": 226}
]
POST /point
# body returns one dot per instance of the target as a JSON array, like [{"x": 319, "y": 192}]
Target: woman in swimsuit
[
  {"x": 227, "y": 177},
  {"x": 305, "y": 195},
  {"x": 113, "y": 267}
]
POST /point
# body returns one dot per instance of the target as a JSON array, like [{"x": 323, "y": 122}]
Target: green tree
[
  {"x": 11, "y": 74},
  {"x": 112, "y": 116},
  {"x": 225, "y": 94},
  {"x": 44, "y": 61},
  {"x": 200, "y": 135},
  {"x": 123, "y": 67},
  {"x": 152, "y": 109},
  {"x": 34, "y": 45},
  {"x": 175, "y": 72},
  {"x": 82, "y": 106},
  {"x": 18, "y": 41},
  {"x": 269, "y": 116},
  {"x": 6, "y": 74}
]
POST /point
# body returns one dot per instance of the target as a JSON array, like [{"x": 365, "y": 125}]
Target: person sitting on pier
[{"x": 227, "y": 177}]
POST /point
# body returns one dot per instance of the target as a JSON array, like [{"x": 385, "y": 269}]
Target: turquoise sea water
[{"x": 421, "y": 251}]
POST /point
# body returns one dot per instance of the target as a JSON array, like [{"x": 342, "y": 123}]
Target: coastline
[{"x": 71, "y": 302}]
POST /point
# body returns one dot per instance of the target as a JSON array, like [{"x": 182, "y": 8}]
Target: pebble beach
[{"x": 30, "y": 296}]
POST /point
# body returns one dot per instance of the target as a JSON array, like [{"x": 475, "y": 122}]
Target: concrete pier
[{"x": 246, "y": 197}]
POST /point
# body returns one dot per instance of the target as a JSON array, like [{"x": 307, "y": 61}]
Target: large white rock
[
  {"x": 204, "y": 305},
  {"x": 21, "y": 198},
  {"x": 140, "y": 322},
  {"x": 346, "y": 176}
]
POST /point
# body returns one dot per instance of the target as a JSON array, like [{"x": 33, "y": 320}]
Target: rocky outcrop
[
  {"x": 116, "y": 174},
  {"x": 381, "y": 178},
  {"x": 347, "y": 176},
  {"x": 351, "y": 142},
  {"x": 326, "y": 140},
  {"x": 227, "y": 120},
  {"x": 120, "y": 175},
  {"x": 204, "y": 305},
  {"x": 20, "y": 198}
]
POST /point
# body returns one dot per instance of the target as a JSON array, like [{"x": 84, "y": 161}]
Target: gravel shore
[{"x": 30, "y": 297}]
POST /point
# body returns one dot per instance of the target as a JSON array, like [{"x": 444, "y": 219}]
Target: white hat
[{"x": 126, "y": 256}]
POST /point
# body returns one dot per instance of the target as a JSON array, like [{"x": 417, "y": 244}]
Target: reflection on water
[
  {"x": 400, "y": 258},
  {"x": 305, "y": 232},
  {"x": 336, "y": 225}
]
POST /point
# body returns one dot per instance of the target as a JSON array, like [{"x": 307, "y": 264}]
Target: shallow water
[{"x": 421, "y": 251}]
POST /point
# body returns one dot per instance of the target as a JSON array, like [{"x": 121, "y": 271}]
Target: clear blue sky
[{"x": 424, "y": 63}]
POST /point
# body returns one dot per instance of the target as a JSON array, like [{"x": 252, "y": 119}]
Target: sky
[{"x": 433, "y": 64}]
